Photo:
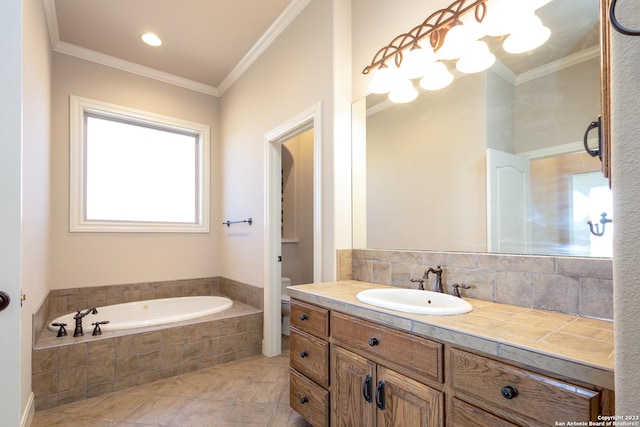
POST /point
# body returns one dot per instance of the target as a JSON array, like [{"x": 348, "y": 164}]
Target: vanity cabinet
[
  {"x": 346, "y": 371},
  {"x": 520, "y": 395},
  {"x": 309, "y": 361}
]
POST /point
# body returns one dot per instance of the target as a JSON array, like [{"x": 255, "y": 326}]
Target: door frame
[
  {"x": 308, "y": 119},
  {"x": 11, "y": 124}
]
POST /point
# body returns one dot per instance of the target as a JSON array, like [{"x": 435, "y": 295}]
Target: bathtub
[{"x": 152, "y": 312}]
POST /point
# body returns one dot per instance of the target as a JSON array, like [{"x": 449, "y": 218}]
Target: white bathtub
[{"x": 147, "y": 313}]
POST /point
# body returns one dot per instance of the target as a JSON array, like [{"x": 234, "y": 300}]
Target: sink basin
[{"x": 415, "y": 301}]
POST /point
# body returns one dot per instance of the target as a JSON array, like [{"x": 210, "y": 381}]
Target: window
[{"x": 133, "y": 171}]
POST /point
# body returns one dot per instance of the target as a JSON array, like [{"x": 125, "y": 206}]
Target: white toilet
[{"x": 285, "y": 304}]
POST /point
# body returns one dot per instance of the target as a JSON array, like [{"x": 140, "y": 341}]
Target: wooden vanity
[{"x": 347, "y": 370}]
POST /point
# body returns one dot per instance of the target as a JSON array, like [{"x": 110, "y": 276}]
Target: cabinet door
[
  {"x": 352, "y": 389},
  {"x": 407, "y": 403}
]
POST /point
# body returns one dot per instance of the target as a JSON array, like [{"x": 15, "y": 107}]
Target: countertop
[{"x": 568, "y": 346}]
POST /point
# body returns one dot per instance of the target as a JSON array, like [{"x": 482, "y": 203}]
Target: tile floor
[{"x": 248, "y": 392}]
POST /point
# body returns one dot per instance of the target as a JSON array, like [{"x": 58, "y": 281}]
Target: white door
[
  {"x": 508, "y": 201},
  {"x": 10, "y": 192}
]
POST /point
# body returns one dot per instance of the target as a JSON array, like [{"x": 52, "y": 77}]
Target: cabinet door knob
[
  {"x": 508, "y": 392},
  {"x": 304, "y": 354},
  {"x": 373, "y": 341},
  {"x": 303, "y": 317},
  {"x": 304, "y": 400}
]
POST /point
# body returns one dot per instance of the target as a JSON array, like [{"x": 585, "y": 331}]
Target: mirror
[{"x": 438, "y": 173}]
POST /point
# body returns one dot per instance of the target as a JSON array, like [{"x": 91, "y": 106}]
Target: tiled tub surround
[
  {"x": 563, "y": 345},
  {"x": 578, "y": 286},
  {"x": 67, "y": 369}
]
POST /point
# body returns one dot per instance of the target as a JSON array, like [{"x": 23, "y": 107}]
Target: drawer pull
[
  {"x": 380, "y": 395},
  {"x": 304, "y": 400},
  {"x": 366, "y": 388},
  {"x": 508, "y": 392},
  {"x": 304, "y": 354},
  {"x": 373, "y": 342},
  {"x": 304, "y": 317}
]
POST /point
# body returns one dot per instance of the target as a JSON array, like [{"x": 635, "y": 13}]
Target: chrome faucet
[
  {"x": 438, "y": 273},
  {"x": 78, "y": 317}
]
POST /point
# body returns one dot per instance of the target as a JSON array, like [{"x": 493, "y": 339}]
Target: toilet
[{"x": 285, "y": 304}]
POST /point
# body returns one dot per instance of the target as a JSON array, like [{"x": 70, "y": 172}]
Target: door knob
[{"x": 4, "y": 300}]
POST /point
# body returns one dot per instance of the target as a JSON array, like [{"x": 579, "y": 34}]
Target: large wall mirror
[{"x": 429, "y": 176}]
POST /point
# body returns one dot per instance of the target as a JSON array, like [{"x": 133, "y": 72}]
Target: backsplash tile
[{"x": 572, "y": 285}]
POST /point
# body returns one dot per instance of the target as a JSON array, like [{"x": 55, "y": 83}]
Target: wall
[
  {"x": 625, "y": 133},
  {"x": 91, "y": 259},
  {"x": 297, "y": 252},
  {"x": 36, "y": 109},
  {"x": 293, "y": 74}
]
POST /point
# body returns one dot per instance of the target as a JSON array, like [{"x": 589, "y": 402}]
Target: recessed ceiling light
[{"x": 151, "y": 39}]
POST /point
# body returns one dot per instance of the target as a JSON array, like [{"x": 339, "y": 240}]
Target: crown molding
[
  {"x": 565, "y": 62},
  {"x": 281, "y": 23},
  {"x": 274, "y": 31}
]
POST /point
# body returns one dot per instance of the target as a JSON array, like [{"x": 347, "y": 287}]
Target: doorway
[{"x": 306, "y": 124}]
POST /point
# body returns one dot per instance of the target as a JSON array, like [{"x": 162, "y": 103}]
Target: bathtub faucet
[{"x": 78, "y": 317}]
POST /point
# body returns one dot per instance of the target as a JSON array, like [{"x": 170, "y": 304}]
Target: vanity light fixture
[
  {"x": 454, "y": 34},
  {"x": 151, "y": 39}
]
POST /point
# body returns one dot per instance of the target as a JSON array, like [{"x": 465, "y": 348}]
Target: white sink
[{"x": 415, "y": 301}]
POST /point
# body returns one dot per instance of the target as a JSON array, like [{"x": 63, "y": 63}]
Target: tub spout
[{"x": 77, "y": 332}]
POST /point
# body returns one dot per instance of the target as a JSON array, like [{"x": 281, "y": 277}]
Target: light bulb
[
  {"x": 151, "y": 39},
  {"x": 436, "y": 77},
  {"x": 384, "y": 79},
  {"x": 504, "y": 16},
  {"x": 531, "y": 35},
  {"x": 456, "y": 41},
  {"x": 415, "y": 61},
  {"x": 476, "y": 59},
  {"x": 403, "y": 91}
]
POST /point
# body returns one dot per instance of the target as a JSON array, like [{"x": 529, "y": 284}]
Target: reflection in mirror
[{"x": 494, "y": 162}]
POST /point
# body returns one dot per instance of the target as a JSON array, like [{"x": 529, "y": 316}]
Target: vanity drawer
[
  {"x": 308, "y": 399},
  {"x": 310, "y": 356},
  {"x": 309, "y": 318},
  {"x": 508, "y": 389},
  {"x": 415, "y": 356},
  {"x": 465, "y": 415}
]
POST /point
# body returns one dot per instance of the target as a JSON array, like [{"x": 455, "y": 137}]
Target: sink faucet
[
  {"x": 438, "y": 273},
  {"x": 78, "y": 317}
]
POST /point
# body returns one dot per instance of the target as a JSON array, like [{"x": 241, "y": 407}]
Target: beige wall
[
  {"x": 90, "y": 259},
  {"x": 625, "y": 93},
  {"x": 297, "y": 210},
  {"x": 294, "y": 74},
  {"x": 35, "y": 177}
]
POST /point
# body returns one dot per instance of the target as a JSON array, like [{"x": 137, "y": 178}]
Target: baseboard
[{"x": 29, "y": 411}]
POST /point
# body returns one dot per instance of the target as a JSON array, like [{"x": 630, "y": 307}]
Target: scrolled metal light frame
[{"x": 435, "y": 27}]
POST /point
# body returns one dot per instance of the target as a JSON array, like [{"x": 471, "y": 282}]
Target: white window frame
[{"x": 78, "y": 221}]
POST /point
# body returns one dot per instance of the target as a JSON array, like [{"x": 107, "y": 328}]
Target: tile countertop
[{"x": 569, "y": 346}]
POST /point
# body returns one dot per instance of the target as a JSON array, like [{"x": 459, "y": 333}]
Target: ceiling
[{"x": 207, "y": 44}]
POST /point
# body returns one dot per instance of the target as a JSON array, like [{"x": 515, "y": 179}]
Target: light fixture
[
  {"x": 450, "y": 34},
  {"x": 527, "y": 37},
  {"x": 403, "y": 91},
  {"x": 151, "y": 39},
  {"x": 477, "y": 58},
  {"x": 436, "y": 77}
]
